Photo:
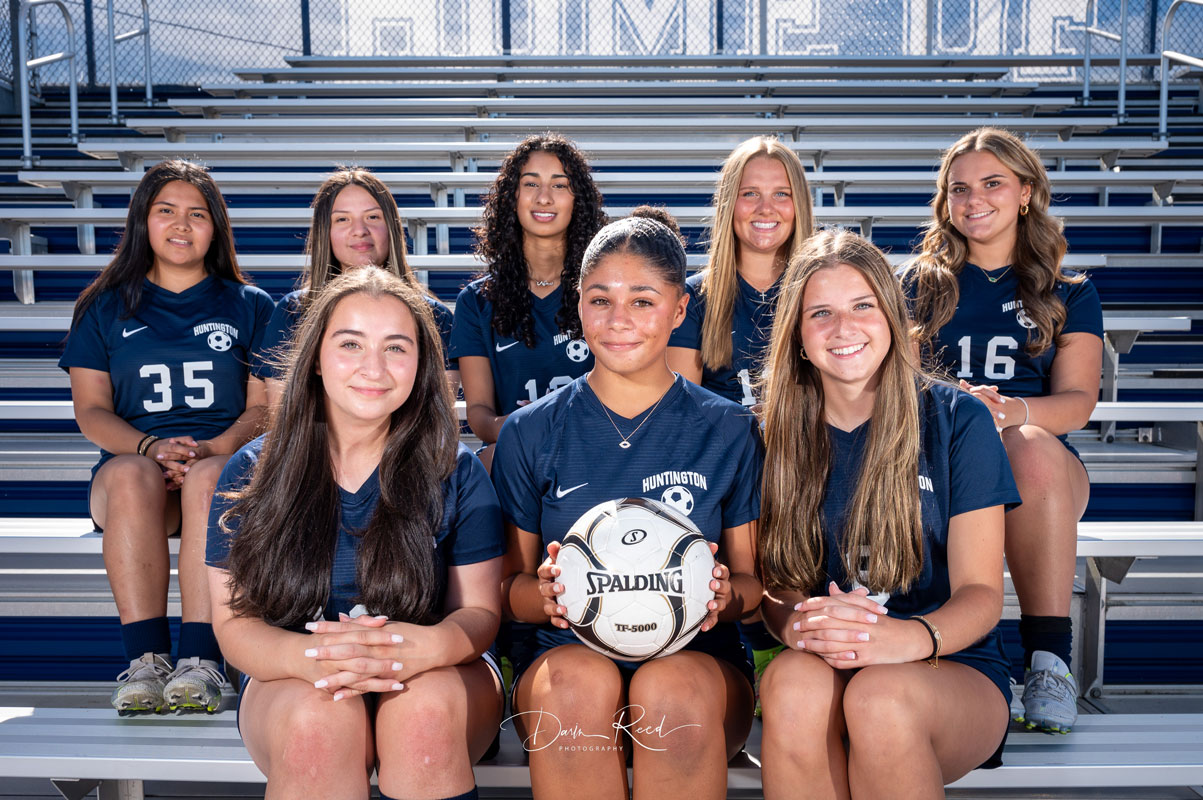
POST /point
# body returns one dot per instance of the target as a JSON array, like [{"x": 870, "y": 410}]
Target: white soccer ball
[
  {"x": 679, "y": 498},
  {"x": 636, "y": 577},
  {"x": 577, "y": 350},
  {"x": 220, "y": 341}
]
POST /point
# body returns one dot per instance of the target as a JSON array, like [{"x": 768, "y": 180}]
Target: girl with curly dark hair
[{"x": 517, "y": 334}]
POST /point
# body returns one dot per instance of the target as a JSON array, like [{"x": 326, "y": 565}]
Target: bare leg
[
  {"x": 305, "y": 743},
  {"x": 130, "y": 501},
  {"x": 912, "y": 729},
  {"x": 430, "y": 734},
  {"x": 195, "y": 498},
  {"x": 568, "y": 700},
  {"x": 802, "y": 744},
  {"x": 691, "y": 714},
  {"x": 1042, "y": 534}
]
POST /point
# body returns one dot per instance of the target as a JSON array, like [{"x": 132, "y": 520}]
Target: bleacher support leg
[
  {"x": 120, "y": 790},
  {"x": 1094, "y": 620}
]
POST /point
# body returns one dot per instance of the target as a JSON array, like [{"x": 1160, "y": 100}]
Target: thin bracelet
[
  {"x": 937, "y": 641},
  {"x": 145, "y": 445},
  {"x": 1027, "y": 412}
]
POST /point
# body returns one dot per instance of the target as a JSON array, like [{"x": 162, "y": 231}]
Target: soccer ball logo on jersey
[
  {"x": 219, "y": 335},
  {"x": 1021, "y": 316},
  {"x": 675, "y": 483},
  {"x": 678, "y": 497},
  {"x": 575, "y": 349}
]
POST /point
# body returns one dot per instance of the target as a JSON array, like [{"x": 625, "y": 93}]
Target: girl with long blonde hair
[
  {"x": 994, "y": 308},
  {"x": 880, "y": 546}
]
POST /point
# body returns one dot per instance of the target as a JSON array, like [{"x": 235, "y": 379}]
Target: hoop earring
[
  {"x": 1023, "y": 210},
  {"x": 802, "y": 352}
]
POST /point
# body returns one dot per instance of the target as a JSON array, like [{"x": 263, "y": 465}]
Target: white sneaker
[
  {"x": 1050, "y": 694},
  {"x": 140, "y": 688},
  {"x": 195, "y": 685}
]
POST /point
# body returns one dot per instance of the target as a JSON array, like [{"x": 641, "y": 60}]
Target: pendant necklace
[
  {"x": 626, "y": 440},
  {"x": 999, "y": 277},
  {"x": 543, "y": 283}
]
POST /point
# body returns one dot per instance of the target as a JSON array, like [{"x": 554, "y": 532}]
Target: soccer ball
[
  {"x": 636, "y": 576},
  {"x": 220, "y": 341},
  {"x": 679, "y": 498},
  {"x": 577, "y": 350}
]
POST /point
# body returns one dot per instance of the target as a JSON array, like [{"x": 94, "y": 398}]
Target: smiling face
[
  {"x": 358, "y": 232},
  {"x": 545, "y": 197},
  {"x": 764, "y": 207},
  {"x": 844, "y": 332},
  {"x": 179, "y": 226},
  {"x": 628, "y": 311},
  {"x": 984, "y": 198},
  {"x": 368, "y": 360}
]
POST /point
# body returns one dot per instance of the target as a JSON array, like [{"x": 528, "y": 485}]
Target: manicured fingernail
[
  {"x": 193, "y": 455},
  {"x": 398, "y": 638},
  {"x": 1001, "y": 415},
  {"x": 871, "y": 617},
  {"x": 398, "y": 665},
  {"x": 862, "y": 637},
  {"x": 801, "y": 645},
  {"x": 798, "y": 607},
  {"x": 311, "y": 626},
  {"x": 851, "y": 656},
  {"x": 311, "y": 653},
  {"x": 321, "y": 684},
  {"x": 398, "y": 687},
  {"x": 338, "y": 696},
  {"x": 797, "y": 626},
  {"x": 159, "y": 457},
  {"x": 380, "y": 616},
  {"x": 882, "y": 610}
]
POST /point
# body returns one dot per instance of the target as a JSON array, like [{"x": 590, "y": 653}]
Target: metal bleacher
[{"x": 871, "y": 132}]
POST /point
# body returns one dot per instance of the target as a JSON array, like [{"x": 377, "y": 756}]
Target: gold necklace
[
  {"x": 625, "y": 443},
  {"x": 992, "y": 278}
]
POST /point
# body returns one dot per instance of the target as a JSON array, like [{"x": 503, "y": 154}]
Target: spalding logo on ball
[{"x": 636, "y": 576}]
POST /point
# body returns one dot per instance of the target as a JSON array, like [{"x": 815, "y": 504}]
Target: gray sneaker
[
  {"x": 140, "y": 688},
  {"x": 194, "y": 686},
  {"x": 1050, "y": 694}
]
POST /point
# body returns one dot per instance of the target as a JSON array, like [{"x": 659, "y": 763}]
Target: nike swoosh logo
[
  {"x": 507, "y": 347},
  {"x": 560, "y": 492},
  {"x": 126, "y": 334}
]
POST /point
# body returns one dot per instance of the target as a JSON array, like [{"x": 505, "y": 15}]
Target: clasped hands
[
  {"x": 849, "y": 630},
  {"x": 176, "y": 455},
  {"x": 547, "y": 573},
  {"x": 366, "y": 654}
]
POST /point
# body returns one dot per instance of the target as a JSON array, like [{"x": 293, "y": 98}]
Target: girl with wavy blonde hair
[
  {"x": 993, "y": 306},
  {"x": 762, "y": 217},
  {"x": 880, "y": 545}
]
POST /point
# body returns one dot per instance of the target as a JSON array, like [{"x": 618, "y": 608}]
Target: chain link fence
[{"x": 202, "y": 42}]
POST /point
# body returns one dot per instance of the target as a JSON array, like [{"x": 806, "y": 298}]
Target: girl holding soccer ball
[
  {"x": 362, "y": 643},
  {"x": 517, "y": 335},
  {"x": 355, "y": 223},
  {"x": 157, "y": 355},
  {"x": 880, "y": 546},
  {"x": 995, "y": 308},
  {"x": 630, "y": 428}
]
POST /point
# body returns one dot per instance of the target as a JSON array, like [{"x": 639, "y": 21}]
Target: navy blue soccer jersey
[
  {"x": 962, "y": 467},
  {"x": 697, "y": 452},
  {"x": 752, "y": 332},
  {"x": 519, "y": 372},
  {"x": 985, "y": 341},
  {"x": 287, "y": 316},
  {"x": 470, "y": 530},
  {"x": 179, "y": 364}
]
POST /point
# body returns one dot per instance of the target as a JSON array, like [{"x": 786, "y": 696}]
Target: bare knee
[
  {"x": 881, "y": 711},
  {"x": 677, "y": 705},
  {"x": 427, "y": 723},
  {"x": 201, "y": 479},
  {"x": 572, "y": 677},
  {"x": 321, "y": 740},
  {"x": 1037, "y": 459},
  {"x": 800, "y": 699}
]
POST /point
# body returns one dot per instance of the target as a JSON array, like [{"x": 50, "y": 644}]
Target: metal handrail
[
  {"x": 1122, "y": 38},
  {"x": 24, "y": 14},
  {"x": 114, "y": 40},
  {"x": 1168, "y": 55}
]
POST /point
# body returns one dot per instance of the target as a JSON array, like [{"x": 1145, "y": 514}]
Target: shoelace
[
  {"x": 134, "y": 671},
  {"x": 213, "y": 675},
  {"x": 1051, "y": 683}
]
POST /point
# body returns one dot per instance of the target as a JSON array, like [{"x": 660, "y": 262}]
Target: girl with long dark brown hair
[
  {"x": 517, "y": 335},
  {"x": 994, "y": 308},
  {"x": 355, "y": 223},
  {"x": 880, "y": 546},
  {"x": 354, "y": 555},
  {"x": 157, "y": 354}
]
